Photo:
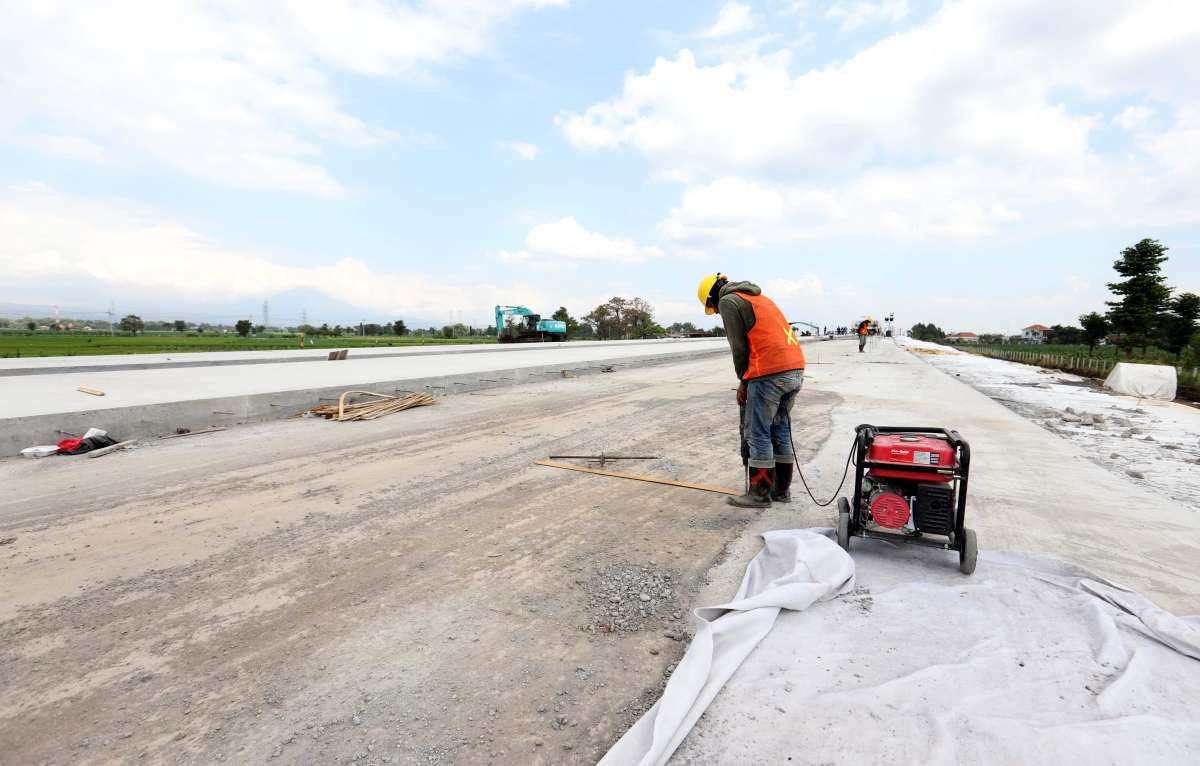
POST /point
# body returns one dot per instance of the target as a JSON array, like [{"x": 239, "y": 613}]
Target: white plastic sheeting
[
  {"x": 1148, "y": 381},
  {"x": 1028, "y": 661},
  {"x": 794, "y": 570}
]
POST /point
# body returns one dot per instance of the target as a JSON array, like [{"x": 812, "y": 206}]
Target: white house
[{"x": 1034, "y": 333}]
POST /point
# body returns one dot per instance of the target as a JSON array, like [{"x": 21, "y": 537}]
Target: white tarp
[
  {"x": 794, "y": 570},
  {"x": 1148, "y": 381},
  {"x": 1027, "y": 661}
]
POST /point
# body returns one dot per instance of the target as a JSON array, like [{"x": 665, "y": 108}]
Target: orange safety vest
[
  {"x": 773, "y": 343},
  {"x": 862, "y": 329}
]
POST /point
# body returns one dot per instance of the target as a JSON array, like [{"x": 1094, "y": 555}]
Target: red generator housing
[{"x": 910, "y": 486}]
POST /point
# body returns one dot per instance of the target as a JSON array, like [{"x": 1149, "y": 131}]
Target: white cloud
[
  {"x": 729, "y": 211},
  {"x": 955, "y": 128},
  {"x": 805, "y": 286},
  {"x": 738, "y": 213},
  {"x": 523, "y": 150},
  {"x": 1133, "y": 117},
  {"x": 71, "y": 147},
  {"x": 734, "y": 18},
  {"x": 50, "y": 237},
  {"x": 232, "y": 92},
  {"x": 858, "y": 13},
  {"x": 565, "y": 242}
]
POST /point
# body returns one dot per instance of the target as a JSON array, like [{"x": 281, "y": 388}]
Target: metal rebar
[{"x": 605, "y": 457}]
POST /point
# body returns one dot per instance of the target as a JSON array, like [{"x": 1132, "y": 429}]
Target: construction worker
[
  {"x": 769, "y": 364},
  {"x": 864, "y": 329}
]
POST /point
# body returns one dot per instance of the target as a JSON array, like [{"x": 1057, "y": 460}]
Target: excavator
[{"x": 518, "y": 324}]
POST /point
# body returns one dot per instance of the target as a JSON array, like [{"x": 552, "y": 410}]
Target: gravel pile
[
  {"x": 624, "y": 598},
  {"x": 1097, "y": 421}
]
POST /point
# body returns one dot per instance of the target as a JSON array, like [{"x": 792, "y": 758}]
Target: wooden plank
[
  {"x": 113, "y": 448},
  {"x": 92, "y": 391},
  {"x": 636, "y": 477}
]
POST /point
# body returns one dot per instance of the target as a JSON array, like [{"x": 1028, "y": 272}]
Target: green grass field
[
  {"x": 79, "y": 344},
  {"x": 1111, "y": 353}
]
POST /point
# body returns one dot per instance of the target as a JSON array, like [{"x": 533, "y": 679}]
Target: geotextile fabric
[
  {"x": 1146, "y": 381},
  {"x": 1027, "y": 661}
]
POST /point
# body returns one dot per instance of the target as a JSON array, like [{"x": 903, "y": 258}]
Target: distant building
[
  {"x": 1034, "y": 333},
  {"x": 963, "y": 337}
]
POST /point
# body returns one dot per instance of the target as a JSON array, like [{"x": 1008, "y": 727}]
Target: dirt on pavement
[{"x": 410, "y": 590}]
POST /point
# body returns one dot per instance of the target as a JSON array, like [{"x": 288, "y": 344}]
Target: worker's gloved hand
[{"x": 741, "y": 395}]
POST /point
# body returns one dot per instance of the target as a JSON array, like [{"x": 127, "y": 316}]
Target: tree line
[
  {"x": 624, "y": 319},
  {"x": 1145, "y": 311},
  {"x": 616, "y": 319}
]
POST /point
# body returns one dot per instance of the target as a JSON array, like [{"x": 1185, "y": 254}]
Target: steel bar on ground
[{"x": 635, "y": 477}]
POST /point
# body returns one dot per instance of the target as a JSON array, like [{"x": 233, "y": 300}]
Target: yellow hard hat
[{"x": 705, "y": 288}]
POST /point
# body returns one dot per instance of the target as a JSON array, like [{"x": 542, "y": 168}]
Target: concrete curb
[
  {"x": 8, "y": 368},
  {"x": 144, "y": 421}
]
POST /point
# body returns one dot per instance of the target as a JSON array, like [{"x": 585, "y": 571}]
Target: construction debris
[
  {"x": 113, "y": 448},
  {"x": 92, "y": 391},
  {"x": 386, "y": 404},
  {"x": 42, "y": 450},
  {"x": 186, "y": 432}
]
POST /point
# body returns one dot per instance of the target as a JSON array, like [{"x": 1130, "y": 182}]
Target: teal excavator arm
[{"x": 504, "y": 311}]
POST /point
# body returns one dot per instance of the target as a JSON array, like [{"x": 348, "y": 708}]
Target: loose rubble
[{"x": 625, "y": 598}]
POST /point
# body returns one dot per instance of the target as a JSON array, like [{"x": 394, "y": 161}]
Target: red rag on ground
[{"x": 67, "y": 445}]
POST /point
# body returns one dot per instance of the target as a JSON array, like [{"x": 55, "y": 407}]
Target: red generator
[{"x": 910, "y": 486}]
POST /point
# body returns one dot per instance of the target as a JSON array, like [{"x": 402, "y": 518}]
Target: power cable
[{"x": 842, "y": 483}]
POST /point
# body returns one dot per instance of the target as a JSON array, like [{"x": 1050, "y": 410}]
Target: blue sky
[{"x": 978, "y": 164}]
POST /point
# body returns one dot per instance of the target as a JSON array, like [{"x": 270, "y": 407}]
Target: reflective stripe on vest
[{"x": 773, "y": 343}]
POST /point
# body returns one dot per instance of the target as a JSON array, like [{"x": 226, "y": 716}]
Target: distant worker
[
  {"x": 769, "y": 364},
  {"x": 864, "y": 329}
]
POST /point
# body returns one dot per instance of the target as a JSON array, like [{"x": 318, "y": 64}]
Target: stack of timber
[{"x": 380, "y": 405}]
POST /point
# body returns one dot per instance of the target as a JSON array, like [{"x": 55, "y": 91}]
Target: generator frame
[{"x": 850, "y": 513}]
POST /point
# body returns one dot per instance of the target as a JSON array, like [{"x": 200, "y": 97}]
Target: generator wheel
[
  {"x": 968, "y": 553},
  {"x": 843, "y": 524}
]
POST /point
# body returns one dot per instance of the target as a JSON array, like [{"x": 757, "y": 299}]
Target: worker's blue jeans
[{"x": 768, "y": 417}]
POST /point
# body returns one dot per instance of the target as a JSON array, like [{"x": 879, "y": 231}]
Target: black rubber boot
[
  {"x": 781, "y": 492},
  {"x": 759, "y": 496}
]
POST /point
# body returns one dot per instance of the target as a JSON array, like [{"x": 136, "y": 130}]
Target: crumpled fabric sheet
[
  {"x": 794, "y": 570},
  {"x": 1146, "y": 381},
  {"x": 1028, "y": 661}
]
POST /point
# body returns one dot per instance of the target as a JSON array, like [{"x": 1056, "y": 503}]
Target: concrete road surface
[
  {"x": 160, "y": 382},
  {"x": 414, "y": 590}
]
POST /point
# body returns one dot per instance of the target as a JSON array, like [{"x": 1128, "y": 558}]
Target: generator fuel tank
[{"x": 899, "y": 451}]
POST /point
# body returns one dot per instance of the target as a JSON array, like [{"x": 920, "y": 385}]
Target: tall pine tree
[{"x": 1143, "y": 294}]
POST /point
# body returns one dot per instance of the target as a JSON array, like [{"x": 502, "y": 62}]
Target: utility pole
[
  {"x": 303, "y": 316},
  {"x": 266, "y": 316},
  {"x": 362, "y": 328},
  {"x": 111, "y": 311}
]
